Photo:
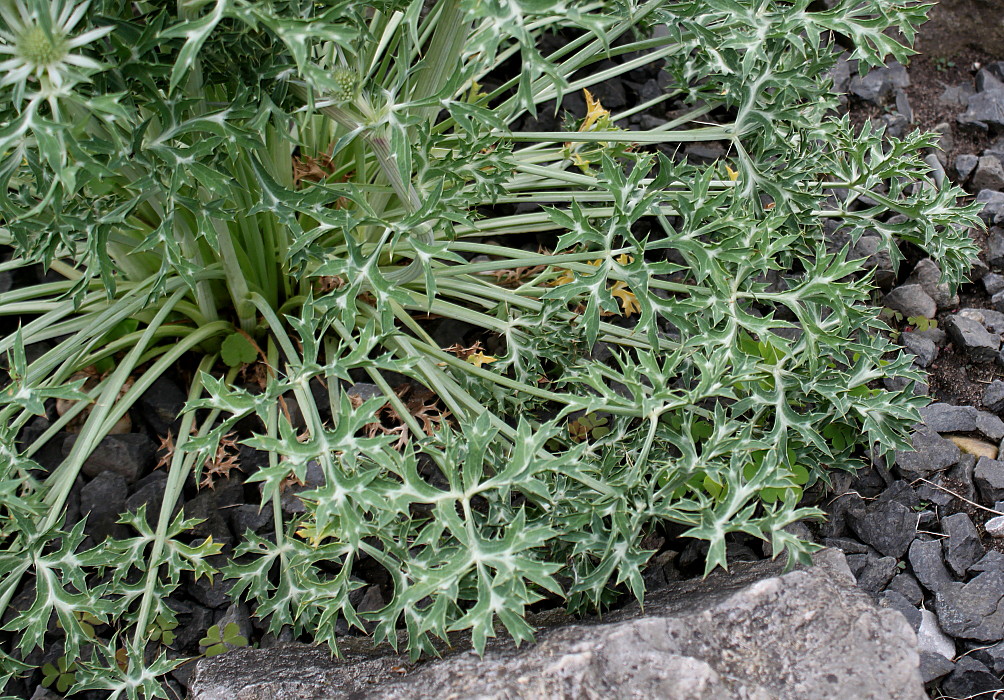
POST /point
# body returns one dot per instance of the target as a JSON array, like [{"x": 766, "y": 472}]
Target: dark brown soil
[{"x": 955, "y": 28}]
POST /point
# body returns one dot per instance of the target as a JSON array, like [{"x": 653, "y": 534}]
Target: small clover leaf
[
  {"x": 237, "y": 350},
  {"x": 61, "y": 674},
  {"x": 218, "y": 641}
]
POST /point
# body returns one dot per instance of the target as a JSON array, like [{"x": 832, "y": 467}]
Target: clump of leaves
[
  {"x": 219, "y": 641},
  {"x": 60, "y": 675},
  {"x": 301, "y": 185},
  {"x": 162, "y": 630},
  {"x": 588, "y": 427}
]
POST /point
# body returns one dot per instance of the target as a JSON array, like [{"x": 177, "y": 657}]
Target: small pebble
[{"x": 995, "y": 527}]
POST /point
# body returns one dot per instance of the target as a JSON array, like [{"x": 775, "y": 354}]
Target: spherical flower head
[
  {"x": 345, "y": 82},
  {"x": 38, "y": 36}
]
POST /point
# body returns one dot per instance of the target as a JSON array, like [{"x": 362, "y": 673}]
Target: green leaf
[{"x": 237, "y": 350}]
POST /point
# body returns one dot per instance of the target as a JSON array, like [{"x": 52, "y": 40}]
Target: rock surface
[
  {"x": 973, "y": 610},
  {"x": 753, "y": 634}
]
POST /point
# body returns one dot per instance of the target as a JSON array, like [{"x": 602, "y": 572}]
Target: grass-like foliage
[{"x": 287, "y": 190}]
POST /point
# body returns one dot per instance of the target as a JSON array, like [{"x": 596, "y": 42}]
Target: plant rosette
[{"x": 277, "y": 196}]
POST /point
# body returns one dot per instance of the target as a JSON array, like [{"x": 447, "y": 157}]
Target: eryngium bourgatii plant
[{"x": 152, "y": 157}]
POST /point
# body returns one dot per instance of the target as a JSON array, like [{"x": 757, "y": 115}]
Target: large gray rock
[
  {"x": 973, "y": 610},
  {"x": 912, "y": 301},
  {"x": 753, "y": 634},
  {"x": 925, "y": 350},
  {"x": 989, "y": 174},
  {"x": 928, "y": 565},
  {"x": 128, "y": 454},
  {"x": 931, "y": 453},
  {"x": 984, "y": 111},
  {"x": 965, "y": 164},
  {"x": 993, "y": 206},
  {"x": 962, "y": 546},
  {"x": 887, "y": 526},
  {"x": 927, "y": 274},
  {"x": 989, "y": 479},
  {"x": 948, "y": 418},
  {"x": 879, "y": 86},
  {"x": 970, "y": 336},
  {"x": 993, "y": 396}
]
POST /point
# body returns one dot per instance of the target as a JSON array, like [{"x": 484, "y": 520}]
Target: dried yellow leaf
[
  {"x": 479, "y": 359},
  {"x": 629, "y": 302},
  {"x": 594, "y": 111}
]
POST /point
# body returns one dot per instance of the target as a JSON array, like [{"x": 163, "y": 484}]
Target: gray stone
[
  {"x": 995, "y": 149},
  {"x": 948, "y": 418},
  {"x": 989, "y": 174},
  {"x": 990, "y": 425},
  {"x": 935, "y": 335},
  {"x": 995, "y": 526},
  {"x": 907, "y": 586},
  {"x": 847, "y": 545},
  {"x": 896, "y": 601},
  {"x": 840, "y": 73},
  {"x": 970, "y": 336},
  {"x": 127, "y": 454},
  {"x": 889, "y": 527},
  {"x": 102, "y": 502},
  {"x": 364, "y": 390},
  {"x": 879, "y": 85},
  {"x": 931, "y": 453},
  {"x": 927, "y": 274},
  {"x": 250, "y": 517},
  {"x": 995, "y": 246},
  {"x": 895, "y": 126},
  {"x": 992, "y": 320},
  {"x": 993, "y": 561},
  {"x": 872, "y": 572},
  {"x": 149, "y": 492},
  {"x": 970, "y": 679},
  {"x": 973, "y": 610},
  {"x": 193, "y": 621},
  {"x": 984, "y": 111},
  {"x": 902, "y": 384},
  {"x": 961, "y": 476},
  {"x": 989, "y": 479},
  {"x": 965, "y": 164},
  {"x": 925, "y": 350},
  {"x": 993, "y": 283},
  {"x": 985, "y": 80},
  {"x": 205, "y": 507},
  {"x": 928, "y": 566},
  {"x": 753, "y": 634},
  {"x": 992, "y": 657},
  {"x": 904, "y": 108},
  {"x": 934, "y": 666},
  {"x": 962, "y": 546},
  {"x": 993, "y": 206},
  {"x": 161, "y": 405},
  {"x": 911, "y": 300},
  {"x": 705, "y": 152},
  {"x": 210, "y": 592},
  {"x": 930, "y": 636},
  {"x": 873, "y": 250},
  {"x": 956, "y": 95},
  {"x": 237, "y": 615},
  {"x": 993, "y": 396}
]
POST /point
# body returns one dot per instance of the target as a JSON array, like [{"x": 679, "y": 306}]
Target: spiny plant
[{"x": 298, "y": 185}]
